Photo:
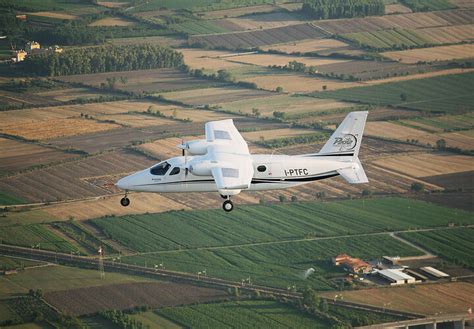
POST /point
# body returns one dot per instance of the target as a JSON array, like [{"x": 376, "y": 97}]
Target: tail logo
[{"x": 346, "y": 142}]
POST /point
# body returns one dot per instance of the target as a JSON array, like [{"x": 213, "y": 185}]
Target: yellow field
[
  {"x": 442, "y": 53},
  {"x": 51, "y": 14},
  {"x": 196, "y": 115},
  {"x": 140, "y": 203},
  {"x": 68, "y": 94},
  {"x": 448, "y": 34},
  {"x": 166, "y": 148},
  {"x": 295, "y": 83},
  {"x": 112, "y": 21},
  {"x": 427, "y": 299},
  {"x": 111, "y": 4},
  {"x": 136, "y": 120},
  {"x": 266, "y": 21},
  {"x": 396, "y": 8},
  {"x": 54, "y": 128},
  {"x": 307, "y": 46},
  {"x": 275, "y": 133},
  {"x": 391, "y": 130},
  {"x": 282, "y": 60},
  {"x": 427, "y": 164},
  {"x": 207, "y": 59}
]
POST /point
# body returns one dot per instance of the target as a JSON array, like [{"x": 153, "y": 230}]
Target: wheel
[
  {"x": 125, "y": 201},
  {"x": 228, "y": 205}
]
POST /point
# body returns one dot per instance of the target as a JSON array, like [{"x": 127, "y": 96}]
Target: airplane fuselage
[{"x": 270, "y": 172}]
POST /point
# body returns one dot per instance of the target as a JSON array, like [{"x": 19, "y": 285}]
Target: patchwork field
[
  {"x": 79, "y": 179},
  {"x": 125, "y": 296},
  {"x": 388, "y": 39},
  {"x": 275, "y": 133},
  {"x": 56, "y": 15},
  {"x": 449, "y": 93},
  {"x": 282, "y": 60},
  {"x": 262, "y": 21},
  {"x": 427, "y": 164},
  {"x": 449, "y": 34},
  {"x": 210, "y": 96},
  {"x": 16, "y": 155},
  {"x": 423, "y": 299},
  {"x": 69, "y": 94},
  {"x": 148, "y": 81},
  {"x": 239, "y": 11},
  {"x": 208, "y": 59},
  {"x": 259, "y": 38},
  {"x": 136, "y": 120},
  {"x": 442, "y": 53},
  {"x": 396, "y": 8},
  {"x": 195, "y": 115}
]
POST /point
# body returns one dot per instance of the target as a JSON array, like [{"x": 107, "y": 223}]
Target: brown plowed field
[
  {"x": 208, "y": 59},
  {"x": 260, "y": 37},
  {"x": 321, "y": 46},
  {"x": 68, "y": 94},
  {"x": 16, "y": 155},
  {"x": 396, "y": 8},
  {"x": 262, "y": 21},
  {"x": 282, "y": 60},
  {"x": 126, "y": 296},
  {"x": 69, "y": 180},
  {"x": 448, "y": 34},
  {"x": 112, "y": 21},
  {"x": 429, "y": 299},
  {"x": 235, "y": 12}
]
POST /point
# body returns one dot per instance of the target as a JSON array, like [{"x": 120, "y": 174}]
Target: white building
[
  {"x": 396, "y": 277},
  {"x": 434, "y": 272}
]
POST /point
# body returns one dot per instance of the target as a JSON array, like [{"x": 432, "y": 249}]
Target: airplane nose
[{"x": 123, "y": 183}]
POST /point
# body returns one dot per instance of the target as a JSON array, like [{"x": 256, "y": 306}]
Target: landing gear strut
[
  {"x": 125, "y": 201},
  {"x": 228, "y": 205}
]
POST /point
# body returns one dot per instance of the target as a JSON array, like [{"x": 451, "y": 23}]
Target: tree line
[
  {"x": 325, "y": 9},
  {"x": 103, "y": 59}
]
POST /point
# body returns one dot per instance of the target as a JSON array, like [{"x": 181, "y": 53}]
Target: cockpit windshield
[{"x": 160, "y": 169}]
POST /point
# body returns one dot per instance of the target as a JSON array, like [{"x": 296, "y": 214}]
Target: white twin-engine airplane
[{"x": 222, "y": 163}]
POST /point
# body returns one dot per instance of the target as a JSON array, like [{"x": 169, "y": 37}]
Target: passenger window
[
  {"x": 262, "y": 168},
  {"x": 174, "y": 171},
  {"x": 160, "y": 169}
]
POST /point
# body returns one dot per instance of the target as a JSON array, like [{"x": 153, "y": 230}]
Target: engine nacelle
[
  {"x": 197, "y": 147},
  {"x": 201, "y": 168}
]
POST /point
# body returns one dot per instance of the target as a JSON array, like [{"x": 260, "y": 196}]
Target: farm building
[
  {"x": 434, "y": 272},
  {"x": 396, "y": 277},
  {"x": 355, "y": 265},
  {"x": 31, "y": 45},
  {"x": 390, "y": 260},
  {"x": 20, "y": 56}
]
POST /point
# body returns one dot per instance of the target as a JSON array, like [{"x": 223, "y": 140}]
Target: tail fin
[
  {"x": 346, "y": 140},
  {"x": 354, "y": 174}
]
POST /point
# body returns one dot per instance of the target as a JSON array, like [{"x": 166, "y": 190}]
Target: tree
[
  {"x": 325, "y": 87},
  {"x": 256, "y": 112},
  {"x": 440, "y": 144},
  {"x": 111, "y": 82},
  {"x": 282, "y": 198},
  {"x": 294, "y": 198},
  {"x": 279, "y": 89},
  {"x": 124, "y": 80},
  {"x": 366, "y": 192},
  {"x": 417, "y": 187},
  {"x": 224, "y": 75},
  {"x": 310, "y": 298},
  {"x": 403, "y": 97},
  {"x": 323, "y": 305},
  {"x": 279, "y": 115}
]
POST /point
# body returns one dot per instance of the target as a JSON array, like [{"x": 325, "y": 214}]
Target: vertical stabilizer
[{"x": 346, "y": 140}]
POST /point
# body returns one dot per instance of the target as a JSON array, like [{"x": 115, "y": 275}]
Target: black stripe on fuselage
[{"x": 332, "y": 155}]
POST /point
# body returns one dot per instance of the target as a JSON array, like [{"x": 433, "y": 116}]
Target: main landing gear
[
  {"x": 125, "y": 201},
  {"x": 228, "y": 206}
]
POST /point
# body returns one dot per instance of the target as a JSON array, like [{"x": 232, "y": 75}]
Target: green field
[
  {"x": 277, "y": 264},
  {"x": 154, "y": 320},
  {"x": 445, "y": 123},
  {"x": 250, "y": 224},
  {"x": 70, "y": 7},
  {"x": 34, "y": 235},
  {"x": 245, "y": 314},
  {"x": 9, "y": 263},
  {"x": 455, "y": 245},
  {"x": 387, "y": 39},
  {"x": 450, "y": 94},
  {"x": 197, "y": 5},
  {"x": 197, "y": 27},
  {"x": 8, "y": 199},
  {"x": 428, "y": 5}
]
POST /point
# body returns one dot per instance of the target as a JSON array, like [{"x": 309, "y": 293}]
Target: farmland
[
  {"x": 454, "y": 245},
  {"x": 34, "y": 235},
  {"x": 239, "y": 40},
  {"x": 261, "y": 314},
  {"x": 112, "y": 21},
  {"x": 282, "y": 60},
  {"x": 449, "y": 93},
  {"x": 128, "y": 295},
  {"x": 261, "y": 21},
  {"x": 320, "y": 46},
  {"x": 181, "y": 229},
  {"x": 441, "y": 53},
  {"x": 18, "y": 155},
  {"x": 388, "y": 39}
]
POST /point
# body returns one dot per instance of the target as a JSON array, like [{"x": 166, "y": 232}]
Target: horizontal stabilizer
[{"x": 354, "y": 174}]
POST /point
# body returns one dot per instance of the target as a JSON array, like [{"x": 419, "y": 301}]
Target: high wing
[
  {"x": 233, "y": 166},
  {"x": 225, "y": 133}
]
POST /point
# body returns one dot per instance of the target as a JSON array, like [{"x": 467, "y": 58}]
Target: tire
[
  {"x": 228, "y": 206},
  {"x": 125, "y": 202}
]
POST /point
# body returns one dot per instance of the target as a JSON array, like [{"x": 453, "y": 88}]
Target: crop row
[
  {"x": 455, "y": 245},
  {"x": 250, "y": 224},
  {"x": 388, "y": 39},
  {"x": 449, "y": 93}
]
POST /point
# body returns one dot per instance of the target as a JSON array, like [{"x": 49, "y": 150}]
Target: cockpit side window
[
  {"x": 174, "y": 171},
  {"x": 160, "y": 169}
]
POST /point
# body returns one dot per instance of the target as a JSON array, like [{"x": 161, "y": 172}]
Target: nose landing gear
[
  {"x": 125, "y": 201},
  {"x": 228, "y": 206}
]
